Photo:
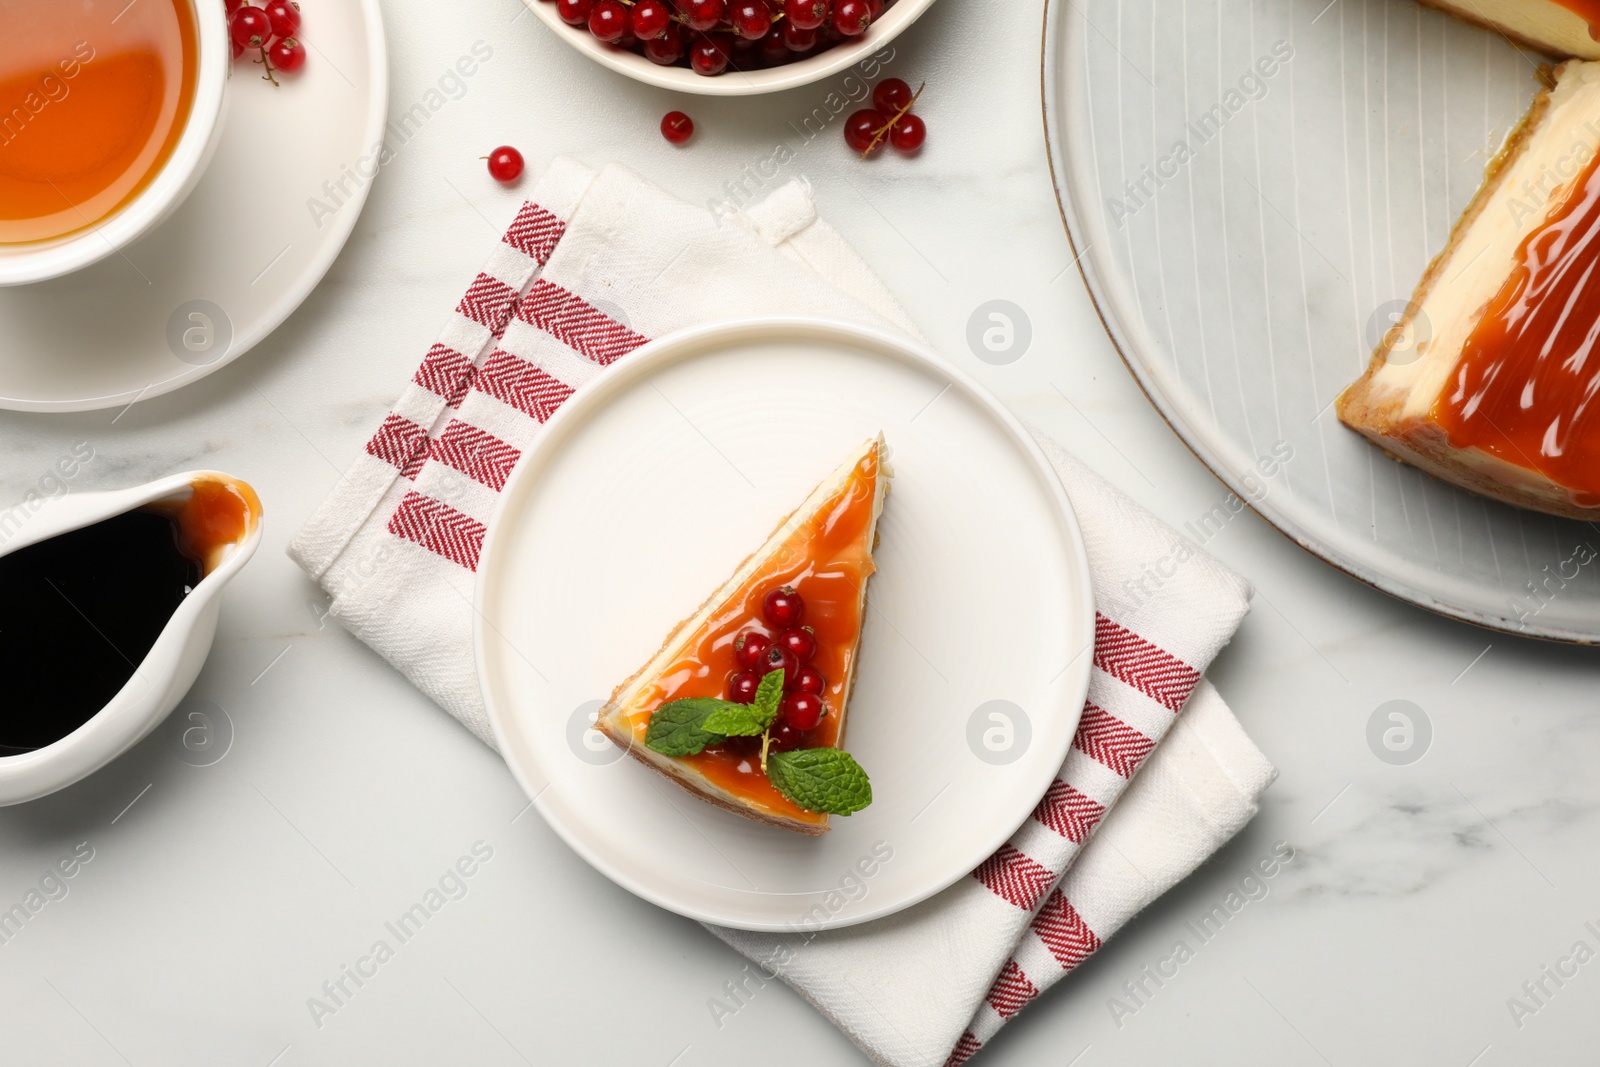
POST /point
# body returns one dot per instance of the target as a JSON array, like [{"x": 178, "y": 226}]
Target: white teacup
[{"x": 39, "y": 260}]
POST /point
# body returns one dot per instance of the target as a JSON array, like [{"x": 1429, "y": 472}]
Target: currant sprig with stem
[{"x": 883, "y": 131}]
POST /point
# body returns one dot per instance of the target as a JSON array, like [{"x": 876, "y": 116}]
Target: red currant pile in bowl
[
  {"x": 790, "y": 647},
  {"x": 269, "y": 33},
  {"x": 731, "y": 47}
]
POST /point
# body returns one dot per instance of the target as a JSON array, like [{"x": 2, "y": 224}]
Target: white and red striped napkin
[{"x": 596, "y": 264}]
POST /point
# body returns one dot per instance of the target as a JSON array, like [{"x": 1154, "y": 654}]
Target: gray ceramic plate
[{"x": 1252, "y": 189}]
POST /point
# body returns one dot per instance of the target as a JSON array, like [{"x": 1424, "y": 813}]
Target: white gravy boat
[{"x": 165, "y": 674}]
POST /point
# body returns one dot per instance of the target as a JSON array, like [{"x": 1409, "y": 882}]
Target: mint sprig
[
  {"x": 824, "y": 780},
  {"x": 752, "y": 719}
]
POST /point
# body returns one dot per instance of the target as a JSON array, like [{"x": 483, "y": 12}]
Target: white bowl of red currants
[{"x": 728, "y": 47}]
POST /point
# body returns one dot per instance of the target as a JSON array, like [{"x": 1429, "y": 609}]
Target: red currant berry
[
  {"x": 805, "y": 14},
  {"x": 797, "y": 40},
  {"x": 574, "y": 12},
  {"x": 861, "y": 130},
  {"x": 708, "y": 57},
  {"x": 742, "y": 686},
  {"x": 891, "y": 95},
  {"x": 803, "y": 643},
  {"x": 705, "y": 14},
  {"x": 908, "y": 134},
  {"x": 751, "y": 19},
  {"x": 666, "y": 49},
  {"x": 649, "y": 19},
  {"x": 776, "y": 658},
  {"x": 230, "y": 6},
  {"x": 802, "y": 710},
  {"x": 288, "y": 55},
  {"x": 677, "y": 128},
  {"x": 749, "y": 647},
  {"x": 810, "y": 680},
  {"x": 783, "y": 608},
  {"x": 774, "y": 51},
  {"x": 875, "y": 9},
  {"x": 785, "y": 738},
  {"x": 609, "y": 20},
  {"x": 249, "y": 27},
  {"x": 852, "y": 17},
  {"x": 284, "y": 17},
  {"x": 505, "y": 164},
  {"x": 743, "y": 747},
  {"x": 238, "y": 49}
]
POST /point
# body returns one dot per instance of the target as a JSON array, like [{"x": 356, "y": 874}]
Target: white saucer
[
  {"x": 643, "y": 494},
  {"x": 241, "y": 253}
]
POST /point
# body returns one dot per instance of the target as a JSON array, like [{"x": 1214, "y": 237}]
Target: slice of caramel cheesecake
[
  {"x": 1491, "y": 379},
  {"x": 744, "y": 705},
  {"x": 1556, "y": 27}
]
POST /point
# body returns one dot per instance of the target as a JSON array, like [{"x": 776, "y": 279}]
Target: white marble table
[{"x": 219, "y": 899}]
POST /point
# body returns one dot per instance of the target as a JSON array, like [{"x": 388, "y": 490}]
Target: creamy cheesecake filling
[{"x": 1544, "y": 168}]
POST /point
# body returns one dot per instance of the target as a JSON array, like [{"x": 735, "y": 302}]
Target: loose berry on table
[
  {"x": 863, "y": 131},
  {"x": 250, "y": 28},
  {"x": 677, "y": 128},
  {"x": 505, "y": 164},
  {"x": 284, "y": 17},
  {"x": 287, "y": 55},
  {"x": 908, "y": 134},
  {"x": 892, "y": 95}
]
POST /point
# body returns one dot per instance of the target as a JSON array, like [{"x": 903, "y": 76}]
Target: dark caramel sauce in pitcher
[{"x": 80, "y": 611}]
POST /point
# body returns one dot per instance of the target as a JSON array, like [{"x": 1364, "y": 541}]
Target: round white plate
[
  {"x": 644, "y": 493},
  {"x": 1252, "y": 283},
  {"x": 240, "y": 254}
]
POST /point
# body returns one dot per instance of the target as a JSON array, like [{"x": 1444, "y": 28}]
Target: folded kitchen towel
[{"x": 596, "y": 264}]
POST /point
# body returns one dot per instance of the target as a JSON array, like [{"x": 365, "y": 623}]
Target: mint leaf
[
  {"x": 752, "y": 719},
  {"x": 736, "y": 720},
  {"x": 769, "y": 694},
  {"x": 824, "y": 780},
  {"x": 679, "y": 728}
]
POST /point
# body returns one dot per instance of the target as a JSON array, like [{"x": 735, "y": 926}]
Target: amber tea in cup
[{"x": 94, "y": 96}]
